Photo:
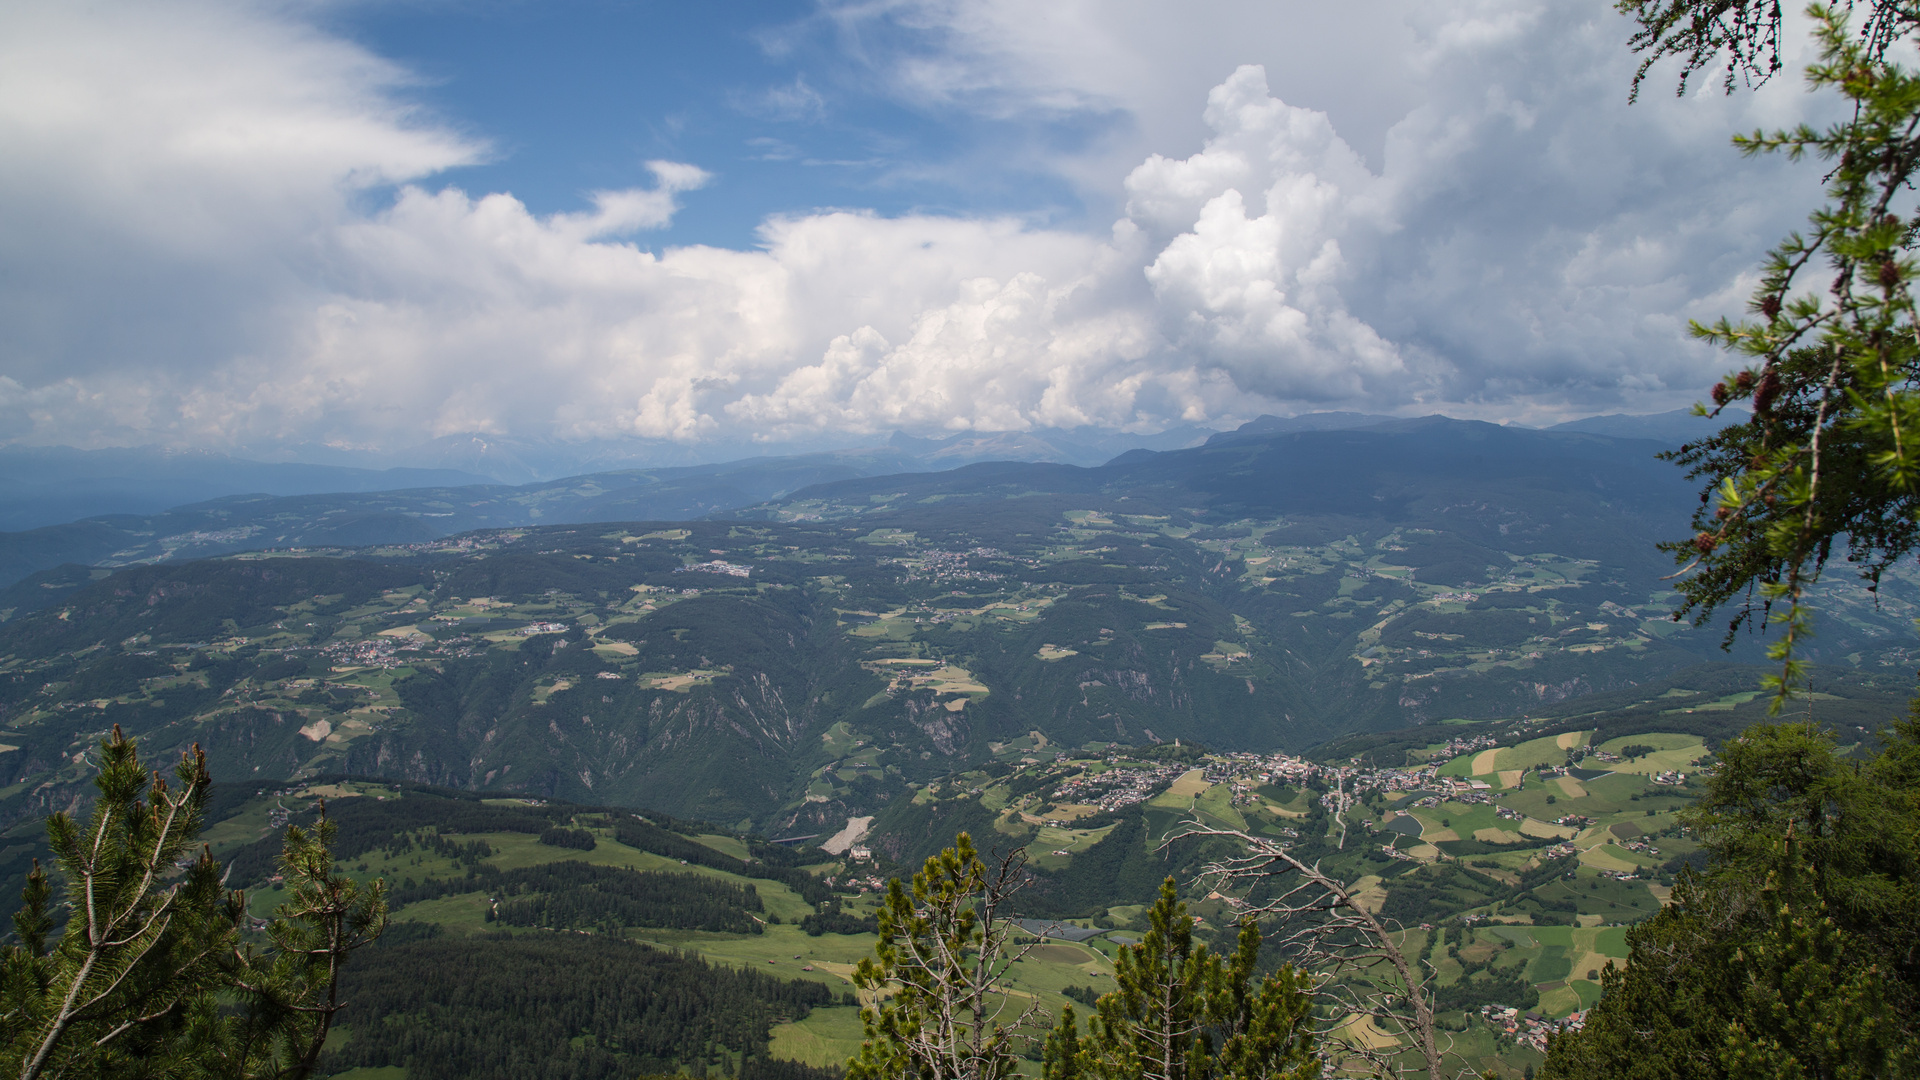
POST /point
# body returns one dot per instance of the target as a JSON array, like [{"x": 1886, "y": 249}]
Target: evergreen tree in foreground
[
  {"x": 150, "y": 976},
  {"x": 1830, "y": 359},
  {"x": 1180, "y": 1012},
  {"x": 1797, "y": 954},
  {"x": 1062, "y": 1056},
  {"x": 943, "y": 958}
]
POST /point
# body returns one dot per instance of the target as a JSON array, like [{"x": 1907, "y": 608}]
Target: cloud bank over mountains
[{"x": 225, "y": 227}]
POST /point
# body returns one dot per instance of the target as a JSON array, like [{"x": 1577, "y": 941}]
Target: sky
[{"x": 280, "y": 227}]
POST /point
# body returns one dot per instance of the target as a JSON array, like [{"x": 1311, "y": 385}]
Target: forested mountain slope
[{"x": 808, "y": 660}]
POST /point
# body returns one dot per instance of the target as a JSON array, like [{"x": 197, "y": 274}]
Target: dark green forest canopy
[
  {"x": 436, "y": 819},
  {"x": 1797, "y": 951},
  {"x": 511, "y": 1006}
]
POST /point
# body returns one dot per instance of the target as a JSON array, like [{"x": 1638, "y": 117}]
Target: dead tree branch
[{"x": 1322, "y": 928}]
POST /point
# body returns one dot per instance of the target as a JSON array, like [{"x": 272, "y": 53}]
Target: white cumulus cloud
[
  {"x": 225, "y": 230},
  {"x": 1257, "y": 289}
]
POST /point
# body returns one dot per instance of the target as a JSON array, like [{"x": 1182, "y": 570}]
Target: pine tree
[
  {"x": 943, "y": 957},
  {"x": 1063, "y": 1058},
  {"x": 1265, "y": 1030},
  {"x": 150, "y": 976},
  {"x": 1153, "y": 1025},
  {"x": 290, "y": 992},
  {"x": 113, "y": 994},
  {"x": 1181, "y": 1012},
  {"x": 1794, "y": 955}
]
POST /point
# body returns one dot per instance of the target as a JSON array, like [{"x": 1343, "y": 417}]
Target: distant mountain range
[
  {"x": 799, "y": 659},
  {"x": 516, "y": 459},
  {"x": 413, "y": 515},
  {"x": 51, "y": 485},
  {"x": 118, "y": 507},
  {"x": 1672, "y": 428}
]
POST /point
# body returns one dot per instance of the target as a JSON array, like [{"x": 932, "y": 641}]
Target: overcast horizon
[{"x": 270, "y": 228}]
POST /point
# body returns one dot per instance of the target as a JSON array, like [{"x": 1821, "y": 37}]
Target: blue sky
[
  {"x": 771, "y": 98},
  {"x": 270, "y": 226}
]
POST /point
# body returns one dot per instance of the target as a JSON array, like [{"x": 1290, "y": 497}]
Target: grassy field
[
  {"x": 1460, "y": 819},
  {"x": 1563, "y": 962},
  {"x": 826, "y": 1038},
  {"x": 781, "y": 950},
  {"x": 1052, "y": 838},
  {"x": 1215, "y": 806},
  {"x": 1671, "y": 752},
  {"x": 465, "y": 913},
  {"x": 1551, "y": 750},
  {"x": 1190, "y": 784}
]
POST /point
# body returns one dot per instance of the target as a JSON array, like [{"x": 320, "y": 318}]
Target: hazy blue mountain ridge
[
  {"x": 41, "y": 486},
  {"x": 117, "y": 507},
  {"x": 415, "y": 515},
  {"x": 297, "y": 506}
]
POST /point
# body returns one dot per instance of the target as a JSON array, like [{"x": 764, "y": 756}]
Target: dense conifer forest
[
  {"x": 579, "y": 896},
  {"x": 514, "y": 1006}
]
